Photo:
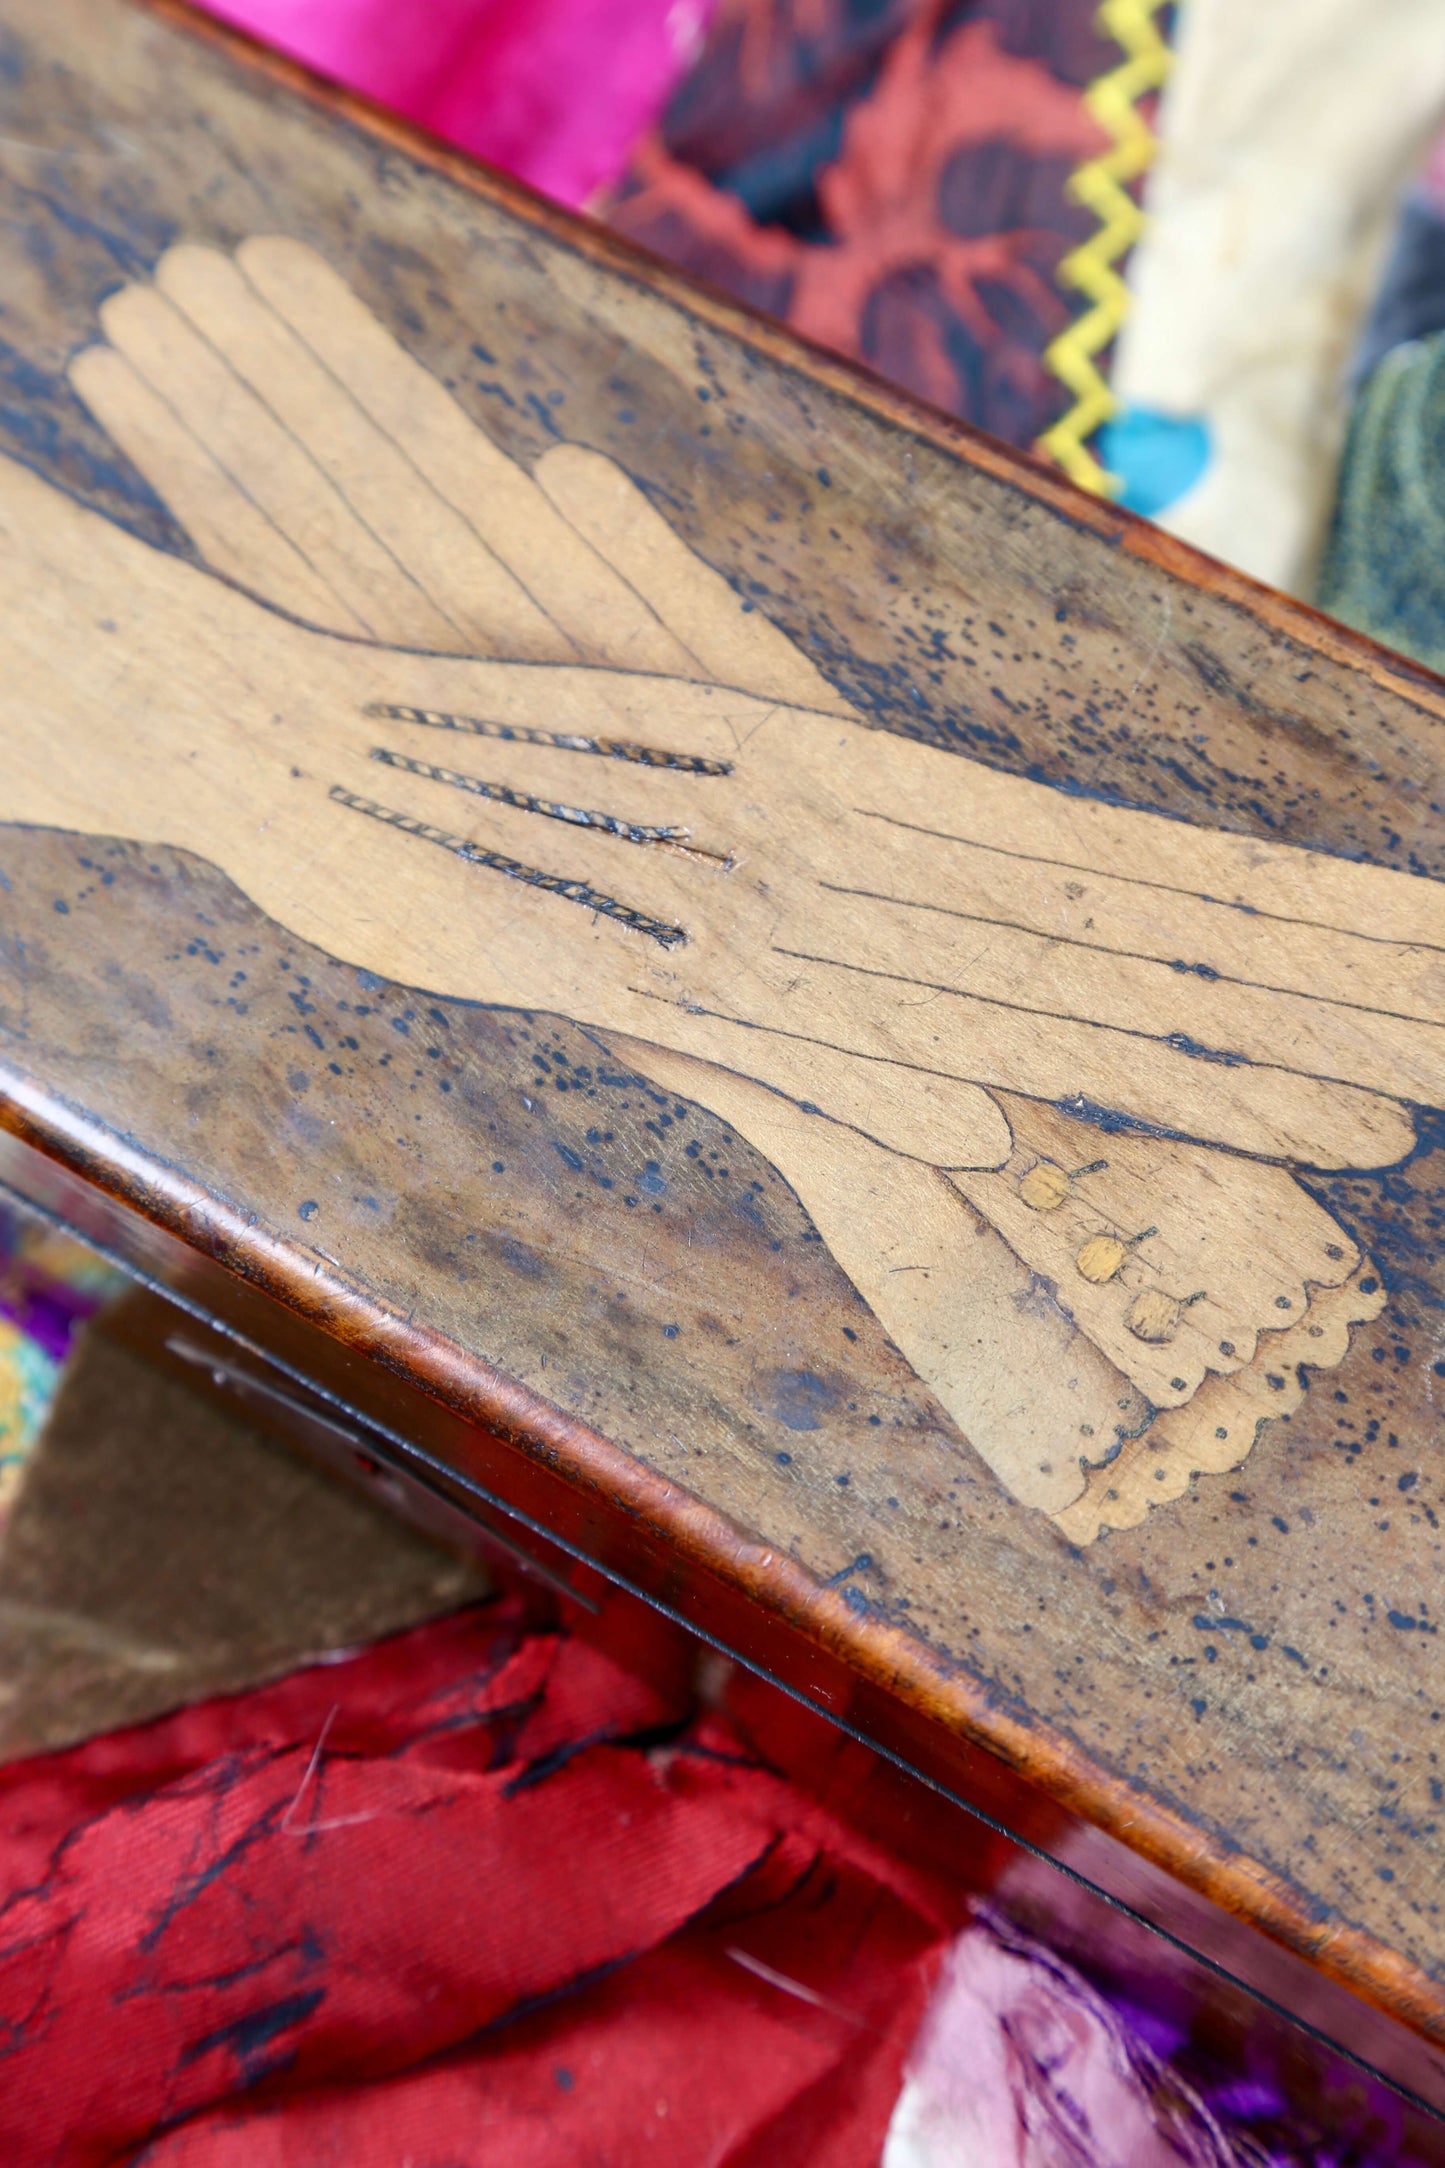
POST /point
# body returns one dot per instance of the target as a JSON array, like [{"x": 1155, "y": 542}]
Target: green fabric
[{"x": 1384, "y": 566}]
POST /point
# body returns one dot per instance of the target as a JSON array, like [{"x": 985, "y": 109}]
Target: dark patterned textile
[{"x": 890, "y": 177}]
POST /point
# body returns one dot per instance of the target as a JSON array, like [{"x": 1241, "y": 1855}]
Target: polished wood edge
[
  {"x": 940, "y": 1691},
  {"x": 794, "y": 354}
]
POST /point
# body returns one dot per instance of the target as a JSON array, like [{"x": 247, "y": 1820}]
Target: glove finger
[
  {"x": 447, "y": 591},
  {"x": 226, "y": 523},
  {"x": 472, "y": 489},
  {"x": 1266, "y": 1110},
  {"x": 269, "y": 463},
  {"x": 729, "y": 641},
  {"x": 956, "y": 935}
]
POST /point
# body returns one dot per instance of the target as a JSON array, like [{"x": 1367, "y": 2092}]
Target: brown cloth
[{"x": 160, "y": 1551}]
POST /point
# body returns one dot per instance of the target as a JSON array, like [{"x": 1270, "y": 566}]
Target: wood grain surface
[{"x": 1222, "y": 1640}]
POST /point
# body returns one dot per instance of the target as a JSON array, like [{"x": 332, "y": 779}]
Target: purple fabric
[
  {"x": 49, "y": 1285},
  {"x": 1021, "y": 2064},
  {"x": 47, "y": 1313}
]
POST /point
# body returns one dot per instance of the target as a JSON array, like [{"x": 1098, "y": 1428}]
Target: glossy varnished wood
[{"x": 572, "y": 1255}]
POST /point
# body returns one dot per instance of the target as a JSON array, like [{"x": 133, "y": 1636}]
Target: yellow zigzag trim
[{"x": 1102, "y": 184}]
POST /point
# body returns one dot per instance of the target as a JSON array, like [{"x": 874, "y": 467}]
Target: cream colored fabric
[{"x": 1288, "y": 132}]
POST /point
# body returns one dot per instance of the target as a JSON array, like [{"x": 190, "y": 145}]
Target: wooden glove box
[{"x": 692, "y": 962}]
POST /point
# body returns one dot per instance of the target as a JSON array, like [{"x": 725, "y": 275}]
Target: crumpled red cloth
[
  {"x": 555, "y": 91},
  {"x": 476, "y": 1895}
]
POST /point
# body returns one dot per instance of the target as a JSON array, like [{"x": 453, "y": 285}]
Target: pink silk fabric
[{"x": 555, "y": 92}]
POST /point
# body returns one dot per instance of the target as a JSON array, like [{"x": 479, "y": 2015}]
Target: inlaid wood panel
[{"x": 832, "y": 973}]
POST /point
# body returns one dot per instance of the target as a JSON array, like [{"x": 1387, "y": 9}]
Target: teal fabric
[
  {"x": 28, "y": 1378},
  {"x": 1384, "y": 565},
  {"x": 1157, "y": 457}
]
